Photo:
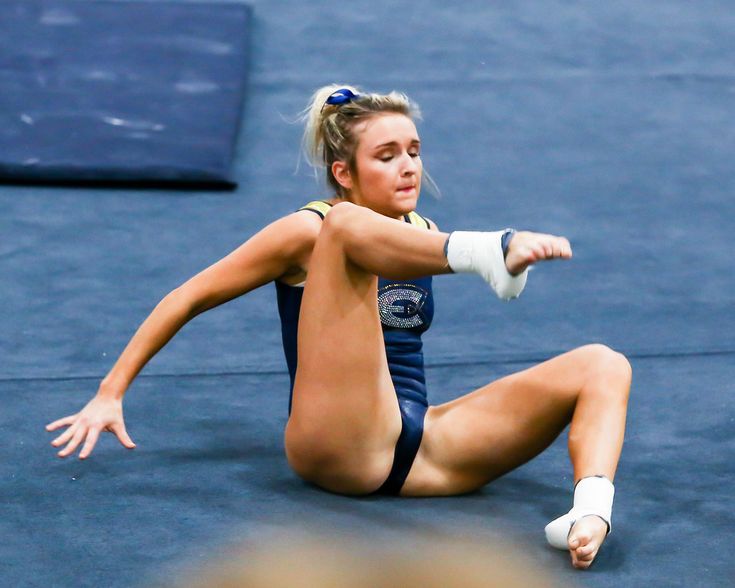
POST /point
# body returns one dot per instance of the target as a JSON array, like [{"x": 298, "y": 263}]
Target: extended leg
[
  {"x": 345, "y": 419},
  {"x": 480, "y": 436}
]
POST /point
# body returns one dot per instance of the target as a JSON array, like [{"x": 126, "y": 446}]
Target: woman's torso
[{"x": 406, "y": 309}]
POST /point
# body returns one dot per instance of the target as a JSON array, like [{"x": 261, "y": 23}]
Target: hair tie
[{"x": 341, "y": 96}]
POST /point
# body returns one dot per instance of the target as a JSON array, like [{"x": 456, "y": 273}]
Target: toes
[
  {"x": 582, "y": 565},
  {"x": 584, "y": 543},
  {"x": 579, "y": 541},
  {"x": 587, "y": 550},
  {"x": 583, "y": 561}
]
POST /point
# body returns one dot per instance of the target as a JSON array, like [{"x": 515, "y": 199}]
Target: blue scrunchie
[{"x": 341, "y": 96}]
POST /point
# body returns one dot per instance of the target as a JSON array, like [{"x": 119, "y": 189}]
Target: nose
[{"x": 410, "y": 166}]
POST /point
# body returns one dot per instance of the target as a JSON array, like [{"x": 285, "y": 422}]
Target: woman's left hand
[{"x": 527, "y": 248}]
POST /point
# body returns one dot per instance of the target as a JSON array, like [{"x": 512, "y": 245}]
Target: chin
[
  {"x": 397, "y": 207},
  {"x": 406, "y": 205}
]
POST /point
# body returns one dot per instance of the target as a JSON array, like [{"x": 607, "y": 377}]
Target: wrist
[
  {"x": 108, "y": 388},
  {"x": 481, "y": 253},
  {"x": 505, "y": 241}
]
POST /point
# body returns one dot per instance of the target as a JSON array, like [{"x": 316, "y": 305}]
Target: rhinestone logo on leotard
[{"x": 400, "y": 305}]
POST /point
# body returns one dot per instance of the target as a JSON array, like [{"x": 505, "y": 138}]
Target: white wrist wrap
[
  {"x": 482, "y": 253},
  {"x": 592, "y": 496}
]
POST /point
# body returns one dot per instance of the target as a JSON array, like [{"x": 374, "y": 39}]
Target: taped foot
[
  {"x": 584, "y": 528},
  {"x": 482, "y": 253},
  {"x": 585, "y": 540}
]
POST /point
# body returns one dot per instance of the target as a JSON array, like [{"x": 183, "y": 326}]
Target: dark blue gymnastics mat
[
  {"x": 142, "y": 92},
  {"x": 608, "y": 123},
  {"x": 209, "y": 472}
]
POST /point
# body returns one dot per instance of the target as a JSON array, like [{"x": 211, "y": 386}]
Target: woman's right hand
[
  {"x": 102, "y": 413},
  {"x": 526, "y": 248},
  {"x": 284, "y": 244}
]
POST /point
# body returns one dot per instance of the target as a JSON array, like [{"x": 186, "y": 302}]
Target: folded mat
[{"x": 121, "y": 92}]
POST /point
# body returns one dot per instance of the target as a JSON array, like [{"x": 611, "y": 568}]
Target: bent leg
[
  {"x": 478, "y": 437},
  {"x": 345, "y": 419}
]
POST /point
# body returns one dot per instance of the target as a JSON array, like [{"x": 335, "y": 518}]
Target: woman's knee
[
  {"x": 342, "y": 220},
  {"x": 608, "y": 366}
]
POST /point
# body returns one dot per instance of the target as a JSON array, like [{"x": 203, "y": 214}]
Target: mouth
[{"x": 406, "y": 189}]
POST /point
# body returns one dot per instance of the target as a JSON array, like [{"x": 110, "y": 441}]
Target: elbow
[{"x": 181, "y": 300}]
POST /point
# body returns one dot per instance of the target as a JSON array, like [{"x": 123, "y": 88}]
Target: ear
[{"x": 341, "y": 173}]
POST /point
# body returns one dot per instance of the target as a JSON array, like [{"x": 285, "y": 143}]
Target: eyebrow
[{"x": 393, "y": 143}]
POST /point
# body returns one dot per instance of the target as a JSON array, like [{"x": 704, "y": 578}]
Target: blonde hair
[{"x": 329, "y": 133}]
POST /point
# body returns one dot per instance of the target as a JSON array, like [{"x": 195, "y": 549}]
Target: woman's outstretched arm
[{"x": 278, "y": 249}]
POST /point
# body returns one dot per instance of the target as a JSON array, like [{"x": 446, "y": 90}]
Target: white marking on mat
[{"x": 56, "y": 17}]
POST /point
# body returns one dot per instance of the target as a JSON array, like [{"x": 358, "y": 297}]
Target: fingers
[
  {"x": 122, "y": 435},
  {"x": 536, "y": 252},
  {"x": 78, "y": 433},
  {"x": 65, "y": 436},
  {"x": 565, "y": 248},
  {"x": 89, "y": 444},
  {"x": 528, "y": 248},
  {"x": 554, "y": 247},
  {"x": 74, "y": 435},
  {"x": 76, "y": 439},
  {"x": 61, "y": 422},
  {"x": 84, "y": 428}
]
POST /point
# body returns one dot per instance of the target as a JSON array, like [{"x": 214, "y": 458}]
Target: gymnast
[{"x": 359, "y": 421}]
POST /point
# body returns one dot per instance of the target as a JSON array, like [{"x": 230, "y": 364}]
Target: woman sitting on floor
[{"x": 359, "y": 418}]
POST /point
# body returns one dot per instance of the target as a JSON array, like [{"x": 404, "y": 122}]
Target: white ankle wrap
[
  {"x": 592, "y": 496},
  {"x": 482, "y": 253}
]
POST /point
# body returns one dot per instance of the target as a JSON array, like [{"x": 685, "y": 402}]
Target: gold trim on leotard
[
  {"x": 415, "y": 218},
  {"x": 322, "y": 207}
]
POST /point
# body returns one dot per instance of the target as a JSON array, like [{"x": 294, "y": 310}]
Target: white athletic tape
[
  {"x": 592, "y": 496},
  {"x": 482, "y": 253}
]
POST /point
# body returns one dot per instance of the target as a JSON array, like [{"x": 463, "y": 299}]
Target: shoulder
[
  {"x": 302, "y": 226},
  {"x": 292, "y": 234},
  {"x": 311, "y": 216}
]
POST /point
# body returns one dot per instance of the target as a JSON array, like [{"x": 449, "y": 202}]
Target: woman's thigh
[
  {"x": 478, "y": 437},
  {"x": 345, "y": 419}
]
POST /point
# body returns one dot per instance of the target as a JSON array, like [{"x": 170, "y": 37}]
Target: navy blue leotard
[{"x": 406, "y": 311}]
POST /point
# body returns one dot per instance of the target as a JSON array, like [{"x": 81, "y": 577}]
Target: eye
[
  {"x": 415, "y": 153},
  {"x": 386, "y": 157}
]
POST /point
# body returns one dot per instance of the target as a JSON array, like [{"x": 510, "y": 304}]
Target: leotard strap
[
  {"x": 416, "y": 219},
  {"x": 320, "y": 207}
]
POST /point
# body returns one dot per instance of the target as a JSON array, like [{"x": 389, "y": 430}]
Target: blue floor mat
[
  {"x": 144, "y": 93},
  {"x": 607, "y": 124},
  {"x": 209, "y": 472}
]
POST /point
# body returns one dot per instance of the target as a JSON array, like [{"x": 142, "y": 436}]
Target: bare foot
[{"x": 585, "y": 540}]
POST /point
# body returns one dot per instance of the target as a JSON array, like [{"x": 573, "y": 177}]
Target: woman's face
[{"x": 388, "y": 163}]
